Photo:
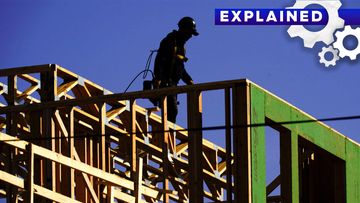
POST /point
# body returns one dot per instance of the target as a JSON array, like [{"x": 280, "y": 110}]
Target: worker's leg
[{"x": 172, "y": 107}]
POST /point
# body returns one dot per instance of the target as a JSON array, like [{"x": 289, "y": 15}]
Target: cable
[
  {"x": 148, "y": 63},
  {"x": 193, "y": 129},
  {"x": 145, "y": 71}
]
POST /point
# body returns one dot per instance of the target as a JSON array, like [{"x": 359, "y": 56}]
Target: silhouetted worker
[{"x": 169, "y": 62}]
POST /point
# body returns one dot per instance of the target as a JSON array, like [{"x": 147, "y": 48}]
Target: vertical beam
[
  {"x": 165, "y": 147},
  {"x": 11, "y": 129},
  {"x": 289, "y": 166},
  {"x": 71, "y": 144},
  {"x": 228, "y": 145},
  {"x": 102, "y": 147},
  {"x": 88, "y": 147},
  {"x": 48, "y": 93},
  {"x": 36, "y": 131},
  {"x": 133, "y": 139},
  {"x": 194, "y": 108},
  {"x": 30, "y": 176},
  {"x": 138, "y": 182},
  {"x": 242, "y": 155},
  {"x": 257, "y": 146},
  {"x": 352, "y": 171},
  {"x": 102, "y": 137},
  {"x": 110, "y": 194},
  {"x": 81, "y": 191}
]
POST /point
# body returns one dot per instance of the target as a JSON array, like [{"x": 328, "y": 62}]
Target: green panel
[
  {"x": 258, "y": 161},
  {"x": 276, "y": 110},
  {"x": 294, "y": 167},
  {"x": 320, "y": 135},
  {"x": 323, "y": 136},
  {"x": 315, "y": 132},
  {"x": 352, "y": 172}
]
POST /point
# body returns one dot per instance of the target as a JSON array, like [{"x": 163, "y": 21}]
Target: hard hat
[{"x": 188, "y": 23}]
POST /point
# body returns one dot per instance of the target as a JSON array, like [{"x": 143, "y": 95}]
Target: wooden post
[
  {"x": 165, "y": 148},
  {"x": 133, "y": 139},
  {"x": 36, "y": 131},
  {"x": 30, "y": 176},
  {"x": 11, "y": 129},
  {"x": 102, "y": 146},
  {"x": 194, "y": 108},
  {"x": 228, "y": 146},
  {"x": 289, "y": 163},
  {"x": 138, "y": 182},
  {"x": 48, "y": 93},
  {"x": 285, "y": 165},
  {"x": 71, "y": 135},
  {"x": 102, "y": 137},
  {"x": 242, "y": 155}
]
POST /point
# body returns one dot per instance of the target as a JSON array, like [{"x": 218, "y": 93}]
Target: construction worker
[{"x": 169, "y": 62}]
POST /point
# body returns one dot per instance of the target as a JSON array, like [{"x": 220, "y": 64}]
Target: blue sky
[{"x": 108, "y": 42}]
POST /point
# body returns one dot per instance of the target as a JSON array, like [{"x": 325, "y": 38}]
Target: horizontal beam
[
  {"x": 77, "y": 165},
  {"x": 26, "y": 70},
  {"x": 19, "y": 182},
  {"x": 122, "y": 97}
]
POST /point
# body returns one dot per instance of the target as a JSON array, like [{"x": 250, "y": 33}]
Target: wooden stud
[
  {"x": 228, "y": 146},
  {"x": 138, "y": 183},
  {"x": 30, "y": 176},
  {"x": 11, "y": 129},
  {"x": 286, "y": 165},
  {"x": 194, "y": 106},
  {"x": 165, "y": 148},
  {"x": 133, "y": 153},
  {"x": 71, "y": 150},
  {"x": 241, "y": 144}
]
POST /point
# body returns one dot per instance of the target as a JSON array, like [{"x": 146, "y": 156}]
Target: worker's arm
[{"x": 186, "y": 77}]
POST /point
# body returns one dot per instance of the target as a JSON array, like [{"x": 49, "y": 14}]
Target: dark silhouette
[{"x": 169, "y": 62}]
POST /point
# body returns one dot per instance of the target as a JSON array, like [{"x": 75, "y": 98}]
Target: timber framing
[{"x": 64, "y": 138}]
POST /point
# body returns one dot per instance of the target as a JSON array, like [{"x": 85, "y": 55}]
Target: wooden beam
[
  {"x": 133, "y": 153},
  {"x": 18, "y": 182},
  {"x": 165, "y": 147},
  {"x": 138, "y": 183},
  {"x": 11, "y": 129},
  {"x": 228, "y": 146},
  {"x": 12, "y": 179},
  {"x": 26, "y": 70},
  {"x": 65, "y": 87},
  {"x": 102, "y": 136},
  {"x": 49, "y": 194},
  {"x": 30, "y": 176},
  {"x": 29, "y": 79},
  {"x": 241, "y": 144},
  {"x": 118, "y": 194},
  {"x": 289, "y": 166},
  {"x": 77, "y": 165},
  {"x": 273, "y": 185},
  {"x": 71, "y": 152},
  {"x": 27, "y": 92},
  {"x": 122, "y": 97},
  {"x": 194, "y": 109},
  {"x": 48, "y": 92}
]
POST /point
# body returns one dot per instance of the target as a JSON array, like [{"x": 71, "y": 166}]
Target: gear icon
[
  {"x": 334, "y": 53},
  {"x": 339, "y": 43},
  {"x": 326, "y": 34}
]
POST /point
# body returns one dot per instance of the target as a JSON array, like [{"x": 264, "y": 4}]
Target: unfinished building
[{"x": 65, "y": 139}]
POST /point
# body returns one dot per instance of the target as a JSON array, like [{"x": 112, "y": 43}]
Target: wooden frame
[{"x": 63, "y": 124}]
